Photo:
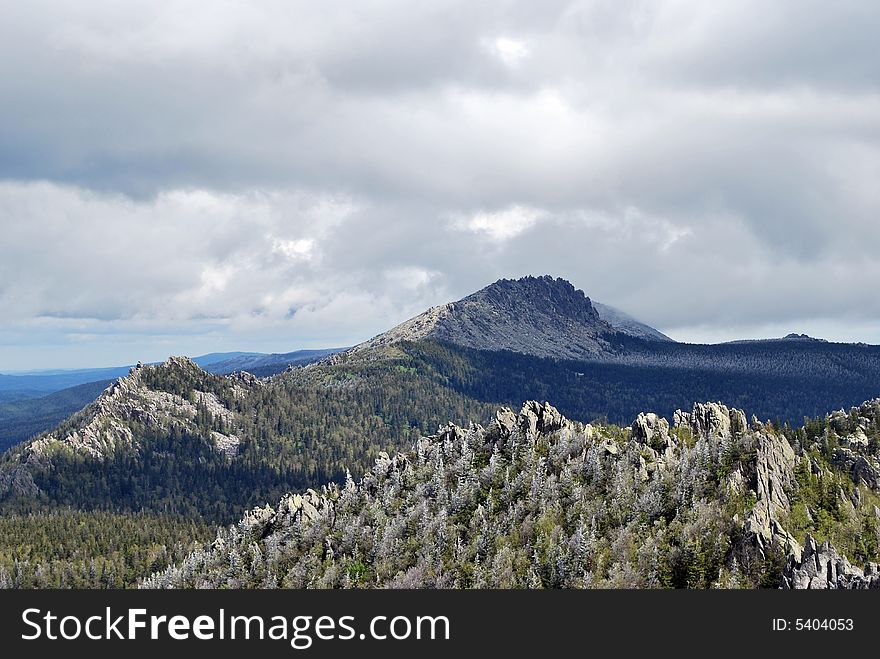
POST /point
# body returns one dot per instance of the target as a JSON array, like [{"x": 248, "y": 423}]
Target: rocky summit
[
  {"x": 131, "y": 408},
  {"x": 539, "y": 316}
]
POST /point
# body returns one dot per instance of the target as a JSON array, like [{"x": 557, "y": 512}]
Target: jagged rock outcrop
[
  {"x": 773, "y": 478},
  {"x": 820, "y": 567},
  {"x": 534, "y": 315},
  {"x": 770, "y": 476},
  {"x": 106, "y": 423},
  {"x": 504, "y": 422},
  {"x": 861, "y": 468},
  {"x": 658, "y": 448},
  {"x": 712, "y": 420},
  {"x": 535, "y": 417},
  {"x": 653, "y": 431}
]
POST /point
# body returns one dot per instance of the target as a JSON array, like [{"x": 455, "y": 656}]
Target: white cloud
[
  {"x": 302, "y": 248},
  {"x": 501, "y": 225},
  {"x": 510, "y": 51},
  {"x": 205, "y": 170}
]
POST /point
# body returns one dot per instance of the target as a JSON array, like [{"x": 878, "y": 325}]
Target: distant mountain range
[
  {"x": 174, "y": 438},
  {"x": 531, "y": 337},
  {"x": 36, "y": 383},
  {"x": 263, "y": 365}
]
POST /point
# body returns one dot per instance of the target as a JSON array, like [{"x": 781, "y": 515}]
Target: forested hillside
[
  {"x": 537, "y": 501},
  {"x": 173, "y": 438},
  {"x": 73, "y": 549},
  {"x": 172, "y": 441},
  {"x": 787, "y": 382},
  {"x": 185, "y": 441}
]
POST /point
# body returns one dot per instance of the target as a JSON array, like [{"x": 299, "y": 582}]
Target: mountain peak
[
  {"x": 801, "y": 337},
  {"x": 546, "y": 294},
  {"x": 539, "y": 316}
]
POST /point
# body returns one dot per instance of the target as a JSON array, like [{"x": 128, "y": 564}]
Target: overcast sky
[{"x": 194, "y": 176}]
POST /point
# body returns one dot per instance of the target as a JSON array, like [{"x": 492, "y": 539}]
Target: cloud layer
[{"x": 188, "y": 176}]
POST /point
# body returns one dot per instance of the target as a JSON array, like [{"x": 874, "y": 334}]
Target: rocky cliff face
[{"x": 534, "y": 315}]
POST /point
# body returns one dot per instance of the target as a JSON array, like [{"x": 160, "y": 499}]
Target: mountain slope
[
  {"x": 174, "y": 438},
  {"x": 25, "y": 413},
  {"x": 625, "y": 323},
  {"x": 537, "y": 501},
  {"x": 164, "y": 438},
  {"x": 22, "y": 419},
  {"x": 538, "y": 316},
  {"x": 787, "y": 382}
]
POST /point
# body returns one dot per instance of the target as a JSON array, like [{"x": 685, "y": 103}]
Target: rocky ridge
[
  {"x": 130, "y": 402},
  {"x": 531, "y": 459}
]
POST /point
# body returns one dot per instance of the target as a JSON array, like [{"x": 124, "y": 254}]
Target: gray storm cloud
[{"x": 270, "y": 175}]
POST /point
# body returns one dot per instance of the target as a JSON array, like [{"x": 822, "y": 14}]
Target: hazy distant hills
[
  {"x": 25, "y": 418},
  {"x": 263, "y": 365},
  {"x": 625, "y": 323},
  {"x": 37, "y": 383}
]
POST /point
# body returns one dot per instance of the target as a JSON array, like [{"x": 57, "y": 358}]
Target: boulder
[
  {"x": 609, "y": 447},
  {"x": 504, "y": 423},
  {"x": 652, "y": 431}
]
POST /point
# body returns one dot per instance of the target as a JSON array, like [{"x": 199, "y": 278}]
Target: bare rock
[
  {"x": 18, "y": 481},
  {"x": 821, "y": 567},
  {"x": 535, "y": 417},
  {"x": 774, "y": 475},
  {"x": 652, "y": 431},
  {"x": 861, "y": 468},
  {"x": 504, "y": 422},
  {"x": 609, "y": 447},
  {"x": 227, "y": 444},
  {"x": 712, "y": 420}
]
